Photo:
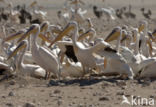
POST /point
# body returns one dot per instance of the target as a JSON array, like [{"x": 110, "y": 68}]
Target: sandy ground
[{"x": 95, "y": 92}]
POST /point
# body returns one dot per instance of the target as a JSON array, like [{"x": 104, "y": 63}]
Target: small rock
[
  {"x": 121, "y": 83},
  {"x": 42, "y": 90},
  {"x": 59, "y": 97},
  {"x": 80, "y": 105},
  {"x": 84, "y": 98},
  {"x": 39, "y": 103},
  {"x": 154, "y": 87},
  {"x": 90, "y": 87},
  {"x": 123, "y": 87},
  {"x": 120, "y": 93},
  {"x": 73, "y": 102},
  {"x": 46, "y": 100},
  {"x": 70, "y": 105},
  {"x": 152, "y": 96},
  {"x": 34, "y": 101},
  {"x": 59, "y": 102},
  {"x": 52, "y": 95},
  {"x": 146, "y": 83},
  {"x": 3, "y": 96},
  {"x": 22, "y": 86},
  {"x": 11, "y": 94},
  {"x": 95, "y": 94},
  {"x": 83, "y": 87},
  {"x": 10, "y": 105},
  {"x": 75, "y": 96},
  {"x": 29, "y": 105},
  {"x": 57, "y": 91},
  {"x": 105, "y": 84},
  {"x": 12, "y": 82},
  {"x": 91, "y": 105},
  {"x": 68, "y": 97},
  {"x": 104, "y": 99}
]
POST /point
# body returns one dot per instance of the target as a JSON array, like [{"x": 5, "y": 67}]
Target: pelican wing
[{"x": 48, "y": 57}]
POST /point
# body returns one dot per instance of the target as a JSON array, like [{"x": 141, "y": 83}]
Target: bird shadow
[{"x": 81, "y": 82}]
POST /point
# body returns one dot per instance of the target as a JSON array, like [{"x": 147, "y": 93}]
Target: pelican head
[
  {"x": 114, "y": 34},
  {"x": 44, "y": 26},
  {"x": 21, "y": 45},
  {"x": 91, "y": 32},
  {"x": 90, "y": 24},
  {"x": 81, "y": 31},
  {"x": 32, "y": 30},
  {"x": 70, "y": 26},
  {"x": 150, "y": 35},
  {"x": 128, "y": 35},
  {"x": 142, "y": 25}
]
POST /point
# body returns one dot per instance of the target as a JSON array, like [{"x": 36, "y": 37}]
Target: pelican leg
[
  {"x": 29, "y": 42},
  {"x": 46, "y": 75},
  {"x": 128, "y": 71},
  {"x": 98, "y": 69},
  {"x": 58, "y": 75},
  {"x": 49, "y": 75},
  {"x": 62, "y": 57},
  {"x": 83, "y": 67},
  {"x": 105, "y": 63}
]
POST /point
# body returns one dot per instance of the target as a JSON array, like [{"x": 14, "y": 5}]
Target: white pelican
[
  {"x": 117, "y": 33},
  {"x": 109, "y": 13},
  {"x": 148, "y": 71},
  {"x": 90, "y": 24},
  {"x": 78, "y": 15},
  {"x": 66, "y": 47},
  {"x": 76, "y": 3},
  {"x": 63, "y": 17},
  {"x": 49, "y": 31},
  {"x": 32, "y": 70},
  {"x": 42, "y": 56},
  {"x": 71, "y": 69},
  {"x": 135, "y": 60},
  {"x": 4, "y": 68},
  {"x": 27, "y": 56},
  {"x": 145, "y": 49},
  {"x": 85, "y": 55}
]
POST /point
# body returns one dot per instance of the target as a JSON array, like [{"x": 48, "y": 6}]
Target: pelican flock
[{"x": 73, "y": 48}]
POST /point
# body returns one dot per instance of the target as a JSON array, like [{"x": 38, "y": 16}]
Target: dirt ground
[{"x": 103, "y": 91}]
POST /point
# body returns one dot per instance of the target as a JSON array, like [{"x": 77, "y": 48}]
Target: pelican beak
[
  {"x": 19, "y": 47},
  {"x": 14, "y": 36},
  {"x": 134, "y": 37},
  {"x": 150, "y": 46},
  {"x": 154, "y": 33},
  {"x": 105, "y": 63},
  {"x": 113, "y": 35},
  {"x": 57, "y": 31},
  {"x": 44, "y": 26},
  {"x": 84, "y": 35},
  {"x": 124, "y": 35},
  {"x": 81, "y": 31},
  {"x": 67, "y": 29},
  {"x": 44, "y": 38},
  {"x": 30, "y": 31},
  {"x": 124, "y": 38},
  {"x": 141, "y": 28}
]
